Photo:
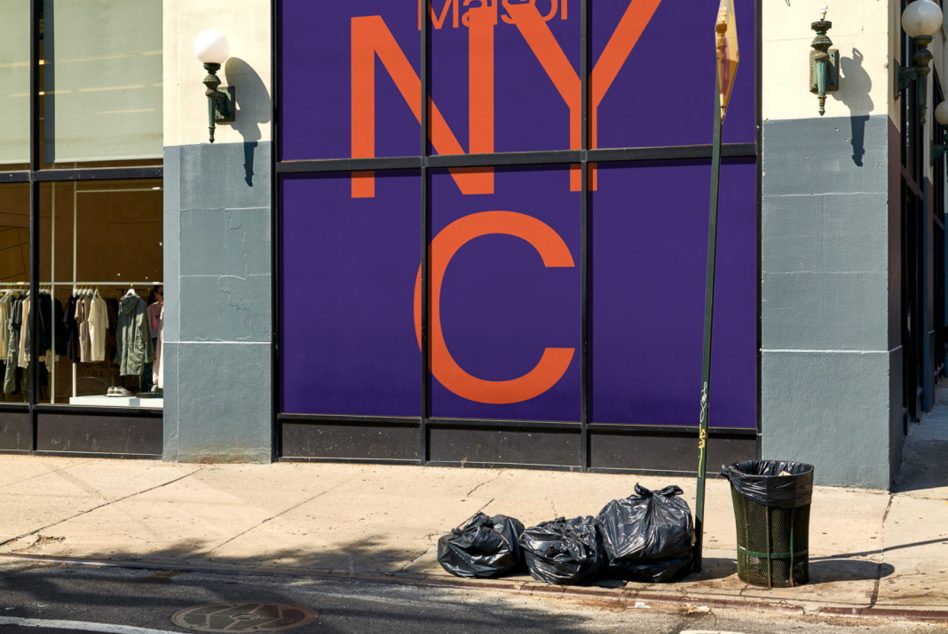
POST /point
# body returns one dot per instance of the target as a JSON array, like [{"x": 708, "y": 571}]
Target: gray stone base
[
  {"x": 831, "y": 377},
  {"x": 835, "y": 411},
  {"x": 218, "y": 325}
]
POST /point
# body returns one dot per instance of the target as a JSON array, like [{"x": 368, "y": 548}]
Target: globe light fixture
[
  {"x": 212, "y": 49},
  {"x": 941, "y": 116},
  {"x": 920, "y": 21}
]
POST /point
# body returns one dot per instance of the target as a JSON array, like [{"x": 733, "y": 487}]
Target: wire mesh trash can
[{"x": 772, "y": 513}]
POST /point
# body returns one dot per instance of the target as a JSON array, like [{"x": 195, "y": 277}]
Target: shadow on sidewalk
[
  {"x": 879, "y": 551},
  {"x": 133, "y": 593},
  {"x": 829, "y": 570},
  {"x": 363, "y": 556}
]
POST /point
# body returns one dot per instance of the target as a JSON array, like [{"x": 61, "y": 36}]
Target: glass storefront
[
  {"x": 470, "y": 278},
  {"x": 15, "y": 84},
  {"x": 14, "y": 287},
  {"x": 101, "y": 265},
  {"x": 81, "y": 253},
  {"x": 102, "y": 82}
]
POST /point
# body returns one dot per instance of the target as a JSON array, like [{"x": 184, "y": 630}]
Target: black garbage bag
[
  {"x": 563, "y": 551},
  {"x": 483, "y": 546},
  {"x": 775, "y": 483},
  {"x": 648, "y": 536}
]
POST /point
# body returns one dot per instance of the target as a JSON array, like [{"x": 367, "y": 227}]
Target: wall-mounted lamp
[
  {"x": 941, "y": 116},
  {"x": 920, "y": 21},
  {"x": 824, "y": 61},
  {"x": 212, "y": 48}
]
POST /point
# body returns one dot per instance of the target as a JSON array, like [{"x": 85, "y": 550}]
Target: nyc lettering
[
  {"x": 371, "y": 39},
  {"x": 453, "y": 9}
]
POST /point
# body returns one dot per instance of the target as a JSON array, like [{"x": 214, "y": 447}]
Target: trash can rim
[{"x": 806, "y": 468}]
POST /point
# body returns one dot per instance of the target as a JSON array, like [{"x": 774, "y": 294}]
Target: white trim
[
  {"x": 830, "y": 351},
  {"x": 80, "y": 626}
]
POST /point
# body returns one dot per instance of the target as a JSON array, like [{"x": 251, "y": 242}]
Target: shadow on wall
[
  {"x": 854, "y": 87},
  {"x": 254, "y": 108}
]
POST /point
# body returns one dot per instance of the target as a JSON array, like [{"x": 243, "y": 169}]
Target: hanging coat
[
  {"x": 71, "y": 330},
  {"x": 13, "y": 342},
  {"x": 133, "y": 339}
]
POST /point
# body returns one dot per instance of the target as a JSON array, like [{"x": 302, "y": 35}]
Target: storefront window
[
  {"x": 649, "y": 245},
  {"x": 88, "y": 330},
  {"x": 555, "y": 304},
  {"x": 14, "y": 286},
  {"x": 102, "y": 80},
  {"x": 506, "y": 311},
  {"x": 101, "y": 294},
  {"x": 348, "y": 262},
  {"x": 14, "y": 83}
]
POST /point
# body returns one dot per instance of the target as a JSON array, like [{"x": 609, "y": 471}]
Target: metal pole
[{"x": 708, "y": 327}]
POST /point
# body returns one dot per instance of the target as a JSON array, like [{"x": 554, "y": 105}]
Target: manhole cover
[{"x": 244, "y": 617}]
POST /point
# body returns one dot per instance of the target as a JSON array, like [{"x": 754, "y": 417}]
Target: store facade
[
  {"x": 81, "y": 192},
  {"x": 560, "y": 321},
  {"x": 476, "y": 235}
]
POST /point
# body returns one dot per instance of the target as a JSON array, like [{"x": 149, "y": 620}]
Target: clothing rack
[
  {"x": 51, "y": 286},
  {"x": 82, "y": 283},
  {"x": 79, "y": 283}
]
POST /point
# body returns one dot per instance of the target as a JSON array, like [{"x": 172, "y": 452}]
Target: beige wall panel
[
  {"x": 246, "y": 23},
  {"x": 861, "y": 34}
]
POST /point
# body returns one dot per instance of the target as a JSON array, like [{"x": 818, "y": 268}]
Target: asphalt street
[{"x": 82, "y": 598}]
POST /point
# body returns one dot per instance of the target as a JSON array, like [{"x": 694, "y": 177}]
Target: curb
[{"x": 620, "y": 597}]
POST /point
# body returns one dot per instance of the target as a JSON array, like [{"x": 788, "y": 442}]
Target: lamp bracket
[
  {"x": 221, "y": 104},
  {"x": 939, "y": 149},
  {"x": 225, "y": 99},
  {"x": 832, "y": 70},
  {"x": 824, "y": 62},
  {"x": 919, "y": 68}
]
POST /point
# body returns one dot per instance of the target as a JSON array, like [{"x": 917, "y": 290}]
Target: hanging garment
[
  {"x": 83, "y": 308},
  {"x": 133, "y": 341},
  {"x": 13, "y": 338},
  {"x": 158, "y": 370},
  {"x": 154, "y": 319},
  {"x": 71, "y": 331},
  {"x": 23, "y": 358},
  {"x": 50, "y": 325},
  {"x": 112, "y": 304},
  {"x": 4, "y": 324},
  {"x": 98, "y": 325}
]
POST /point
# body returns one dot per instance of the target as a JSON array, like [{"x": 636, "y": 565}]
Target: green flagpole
[{"x": 708, "y": 323}]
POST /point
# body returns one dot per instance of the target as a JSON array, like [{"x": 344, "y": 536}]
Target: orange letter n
[{"x": 371, "y": 37}]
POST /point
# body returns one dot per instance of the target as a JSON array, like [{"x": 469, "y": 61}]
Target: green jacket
[{"x": 132, "y": 339}]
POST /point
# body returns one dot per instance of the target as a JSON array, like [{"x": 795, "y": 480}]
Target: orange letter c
[{"x": 555, "y": 254}]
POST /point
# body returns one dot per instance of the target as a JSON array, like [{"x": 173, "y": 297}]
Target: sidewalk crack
[
  {"x": 45, "y": 473},
  {"x": 486, "y": 504},
  {"x": 874, "y": 597},
  {"x": 272, "y": 517},
  {"x": 414, "y": 559},
  {"x": 97, "y": 507},
  {"x": 487, "y": 481}
]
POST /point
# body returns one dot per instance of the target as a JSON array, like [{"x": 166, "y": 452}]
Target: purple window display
[
  {"x": 510, "y": 304},
  {"x": 506, "y": 274},
  {"x": 348, "y": 269},
  {"x": 649, "y": 237}
]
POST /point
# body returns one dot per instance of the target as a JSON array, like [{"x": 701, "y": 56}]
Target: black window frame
[
  {"x": 426, "y": 161},
  {"x": 35, "y": 175}
]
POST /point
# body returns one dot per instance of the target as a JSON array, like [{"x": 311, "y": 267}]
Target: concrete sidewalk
[{"x": 871, "y": 552}]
